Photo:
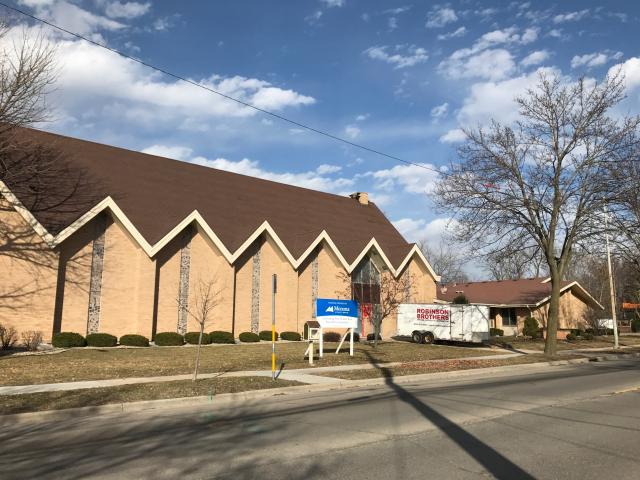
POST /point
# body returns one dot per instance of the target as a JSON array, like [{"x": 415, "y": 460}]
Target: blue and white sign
[{"x": 332, "y": 313}]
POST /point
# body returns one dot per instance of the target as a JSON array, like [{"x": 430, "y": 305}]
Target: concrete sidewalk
[{"x": 303, "y": 375}]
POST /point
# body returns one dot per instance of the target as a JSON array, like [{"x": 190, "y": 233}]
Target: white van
[{"x": 425, "y": 323}]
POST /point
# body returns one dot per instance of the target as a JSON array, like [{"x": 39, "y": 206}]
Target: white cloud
[
  {"x": 535, "y": 58},
  {"x": 362, "y": 117},
  {"x": 594, "y": 59},
  {"x": 398, "y": 10},
  {"x": 493, "y": 64},
  {"x": 314, "y": 179},
  {"x": 175, "y": 152},
  {"x": 393, "y": 23},
  {"x": 432, "y": 232},
  {"x": 352, "y": 131},
  {"x": 439, "y": 16},
  {"x": 453, "y": 136},
  {"x": 400, "y": 56},
  {"x": 483, "y": 59},
  {"x": 440, "y": 110},
  {"x": 325, "y": 168},
  {"x": 631, "y": 71},
  {"x": 419, "y": 178},
  {"x": 314, "y": 17},
  {"x": 333, "y": 3},
  {"x": 570, "y": 16},
  {"x": 495, "y": 100},
  {"x": 71, "y": 17},
  {"x": 126, "y": 10},
  {"x": 459, "y": 32}
]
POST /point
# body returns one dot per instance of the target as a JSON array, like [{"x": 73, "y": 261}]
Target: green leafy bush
[
  {"x": 577, "y": 332},
  {"x": 571, "y": 337},
  {"x": 635, "y": 325},
  {"x": 530, "y": 327},
  {"x": 219, "y": 336},
  {"x": 496, "y": 332},
  {"x": 249, "y": 337},
  {"x": 587, "y": 336},
  {"x": 132, "y": 340},
  {"x": 193, "y": 337},
  {"x": 68, "y": 340},
  {"x": 101, "y": 340},
  {"x": 168, "y": 339},
  {"x": 332, "y": 337},
  {"x": 266, "y": 335},
  {"x": 291, "y": 336},
  {"x": 371, "y": 337},
  {"x": 356, "y": 337}
]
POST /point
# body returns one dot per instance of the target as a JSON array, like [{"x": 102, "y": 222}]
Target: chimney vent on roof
[{"x": 361, "y": 197}]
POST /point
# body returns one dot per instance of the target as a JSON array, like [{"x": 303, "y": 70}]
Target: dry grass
[
  {"x": 434, "y": 367},
  {"x": 97, "y": 364},
  {"x": 33, "y": 402},
  {"x": 598, "y": 342}
]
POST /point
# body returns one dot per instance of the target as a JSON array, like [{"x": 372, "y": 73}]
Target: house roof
[
  {"x": 528, "y": 292},
  {"x": 156, "y": 196}
]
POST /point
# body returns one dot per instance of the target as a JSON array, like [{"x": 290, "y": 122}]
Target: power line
[{"x": 216, "y": 92}]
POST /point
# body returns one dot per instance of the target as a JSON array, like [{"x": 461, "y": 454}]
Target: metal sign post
[{"x": 274, "y": 288}]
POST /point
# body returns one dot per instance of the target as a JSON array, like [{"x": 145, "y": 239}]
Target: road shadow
[{"x": 493, "y": 461}]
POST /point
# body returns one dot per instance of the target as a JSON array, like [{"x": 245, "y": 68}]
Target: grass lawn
[
  {"x": 96, "y": 364},
  {"x": 598, "y": 342},
  {"x": 433, "y": 367},
  {"x": 33, "y": 402}
]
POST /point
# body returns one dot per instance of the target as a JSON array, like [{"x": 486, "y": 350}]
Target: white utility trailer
[{"x": 425, "y": 323}]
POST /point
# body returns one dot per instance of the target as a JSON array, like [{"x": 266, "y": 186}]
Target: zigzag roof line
[{"x": 109, "y": 204}]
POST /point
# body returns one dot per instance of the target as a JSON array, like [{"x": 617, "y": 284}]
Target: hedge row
[{"x": 165, "y": 339}]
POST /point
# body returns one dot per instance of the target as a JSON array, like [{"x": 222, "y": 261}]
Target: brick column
[
  {"x": 314, "y": 283},
  {"x": 255, "y": 292},
  {"x": 183, "y": 286}
]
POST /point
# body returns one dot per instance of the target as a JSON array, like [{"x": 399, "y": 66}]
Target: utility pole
[
  {"x": 612, "y": 291},
  {"x": 274, "y": 288}
]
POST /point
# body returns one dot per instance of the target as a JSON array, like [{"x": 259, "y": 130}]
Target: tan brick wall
[
  {"x": 244, "y": 272},
  {"x": 168, "y": 270},
  {"x": 273, "y": 261},
  {"x": 305, "y": 304},
  {"x": 28, "y": 275},
  {"x": 75, "y": 256},
  {"x": 127, "y": 285},
  {"x": 208, "y": 265}
]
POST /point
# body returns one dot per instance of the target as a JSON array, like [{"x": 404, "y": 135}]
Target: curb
[
  {"x": 231, "y": 398},
  {"x": 613, "y": 356}
]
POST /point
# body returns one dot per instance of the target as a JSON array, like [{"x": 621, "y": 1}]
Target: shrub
[
  {"x": 8, "y": 337},
  {"x": 570, "y": 337},
  {"x": 31, "y": 339},
  {"x": 68, "y": 340},
  {"x": 496, "y": 332},
  {"x": 587, "y": 336},
  {"x": 101, "y": 340},
  {"x": 193, "y": 337},
  {"x": 266, "y": 335},
  {"x": 460, "y": 299},
  {"x": 578, "y": 332},
  {"x": 168, "y": 339},
  {"x": 249, "y": 337},
  {"x": 331, "y": 337},
  {"x": 635, "y": 325},
  {"x": 371, "y": 337},
  {"x": 356, "y": 337},
  {"x": 221, "y": 337},
  {"x": 590, "y": 330},
  {"x": 530, "y": 327},
  {"x": 134, "y": 340},
  {"x": 291, "y": 336}
]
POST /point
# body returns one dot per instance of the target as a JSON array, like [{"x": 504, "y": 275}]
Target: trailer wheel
[
  {"x": 417, "y": 337},
  {"x": 428, "y": 338}
]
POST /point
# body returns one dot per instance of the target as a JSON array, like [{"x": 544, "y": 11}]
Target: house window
[{"x": 509, "y": 318}]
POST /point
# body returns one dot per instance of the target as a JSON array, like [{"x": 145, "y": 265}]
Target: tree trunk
[
  {"x": 195, "y": 370},
  {"x": 550, "y": 346}
]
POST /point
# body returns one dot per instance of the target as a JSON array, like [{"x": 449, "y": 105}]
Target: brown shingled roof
[
  {"x": 157, "y": 193},
  {"x": 527, "y": 291}
]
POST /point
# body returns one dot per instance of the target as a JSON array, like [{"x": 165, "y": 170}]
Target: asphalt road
[{"x": 579, "y": 421}]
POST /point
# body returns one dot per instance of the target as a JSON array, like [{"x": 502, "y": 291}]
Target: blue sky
[{"x": 401, "y": 77}]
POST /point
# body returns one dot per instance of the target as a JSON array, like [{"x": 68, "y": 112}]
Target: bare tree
[
  {"x": 206, "y": 298},
  {"x": 541, "y": 183},
  {"x": 447, "y": 260},
  {"x": 513, "y": 263}
]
